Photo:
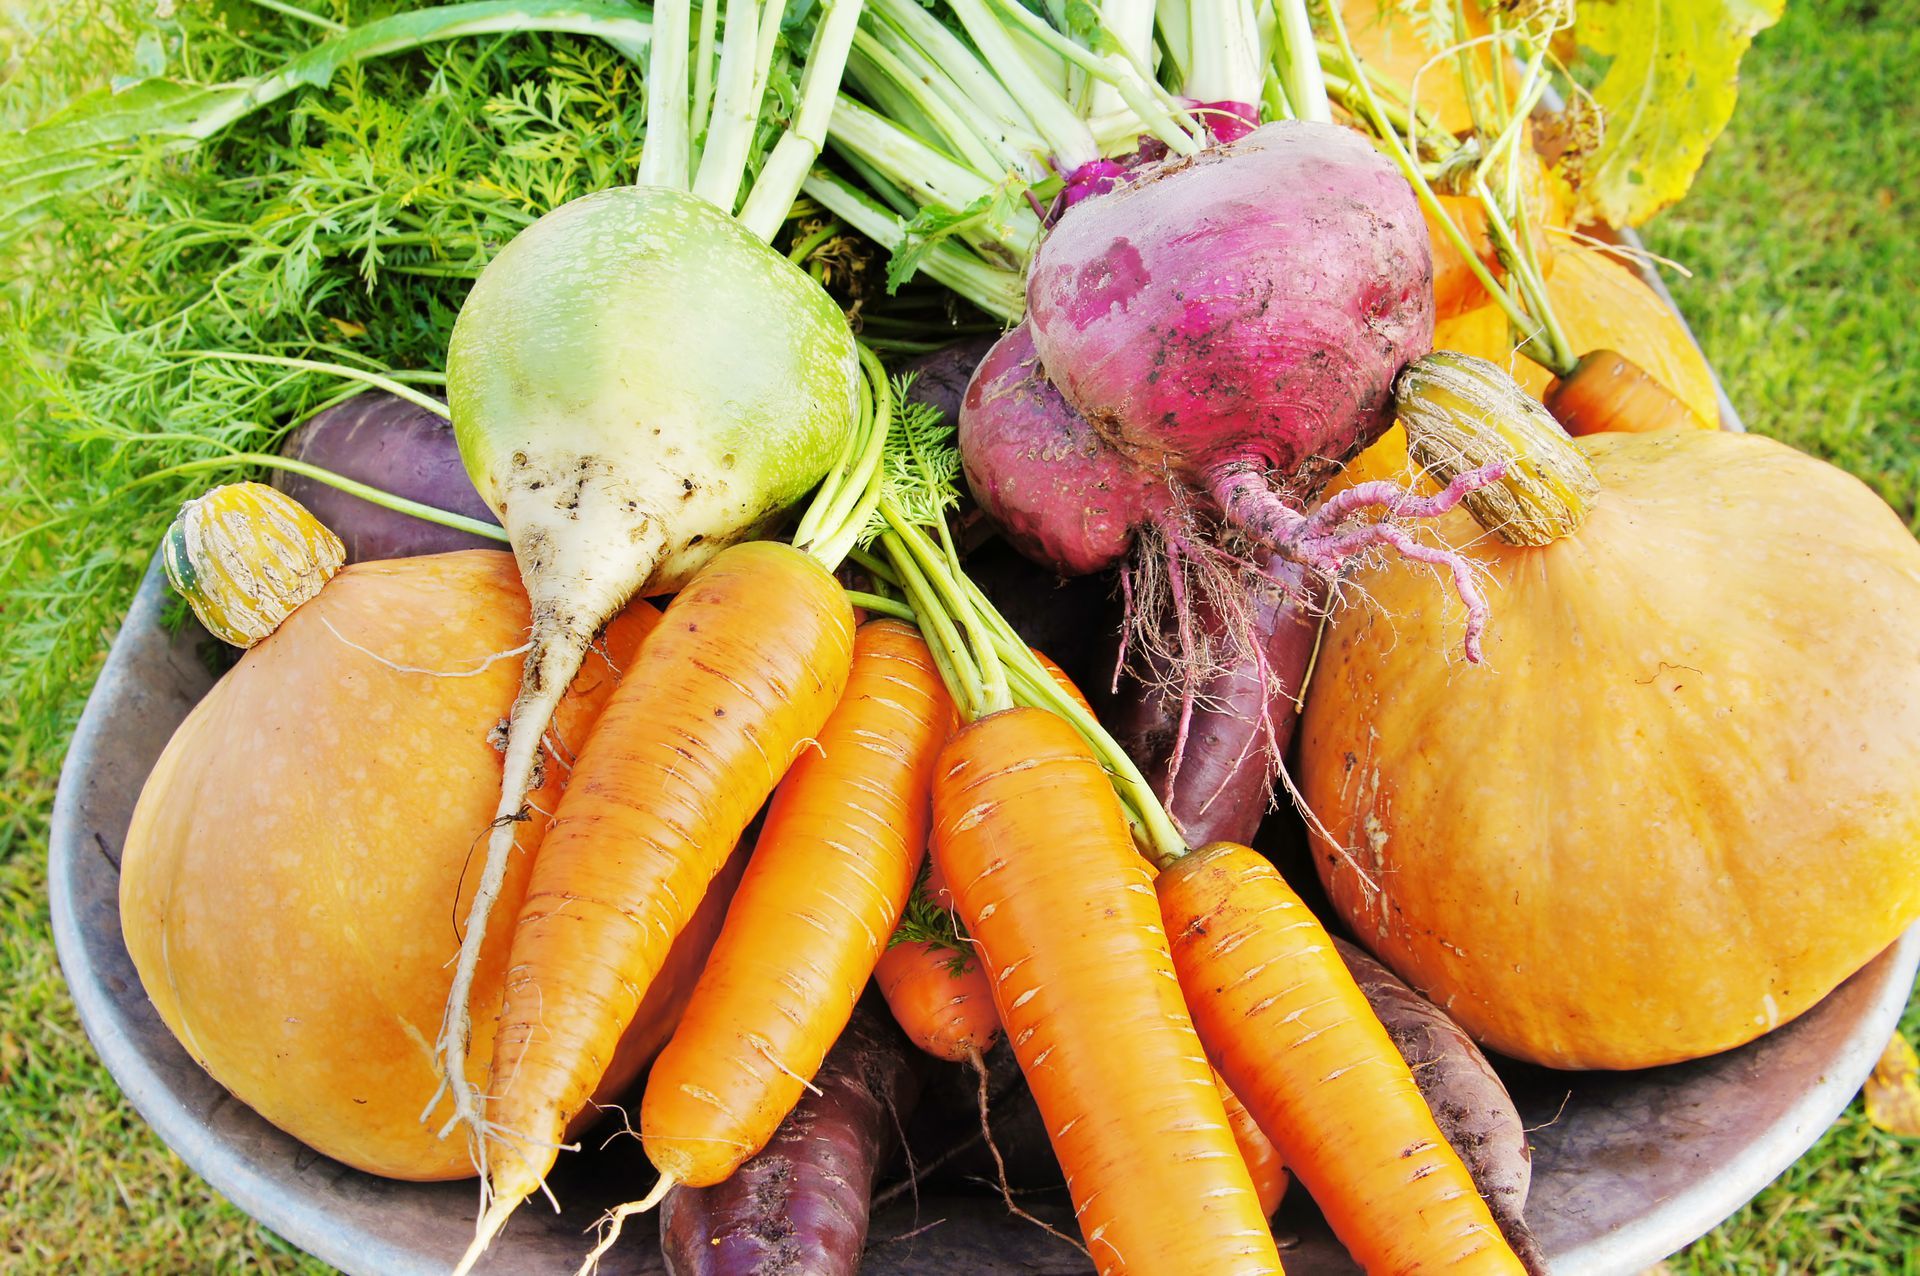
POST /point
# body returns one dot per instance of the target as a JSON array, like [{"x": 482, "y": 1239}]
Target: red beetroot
[
  {"x": 1246, "y": 309},
  {"x": 1214, "y": 340},
  {"x": 1042, "y": 473}
]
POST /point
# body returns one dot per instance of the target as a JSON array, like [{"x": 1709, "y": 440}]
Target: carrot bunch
[
  {"x": 1115, "y": 986},
  {"x": 740, "y": 679},
  {"x": 1119, "y": 988}
]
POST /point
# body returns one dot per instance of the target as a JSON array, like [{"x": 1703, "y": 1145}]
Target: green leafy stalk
[
  {"x": 986, "y": 665},
  {"x": 82, "y": 147}
]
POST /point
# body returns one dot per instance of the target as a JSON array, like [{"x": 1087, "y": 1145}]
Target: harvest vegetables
[
  {"x": 1696, "y": 650},
  {"x": 1212, "y": 766},
  {"x": 1602, "y": 304},
  {"x": 245, "y": 557},
  {"x": 842, "y": 844},
  {"x": 1035, "y": 847},
  {"x": 746, "y": 665},
  {"x": 1032, "y": 836},
  {"x": 1320, "y": 1074},
  {"x": 617, "y": 413},
  {"x": 1224, "y": 297},
  {"x": 936, "y": 989},
  {"x": 1469, "y": 1104},
  {"x": 801, "y": 1204}
]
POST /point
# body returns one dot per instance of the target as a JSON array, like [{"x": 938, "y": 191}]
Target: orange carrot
[
  {"x": 939, "y": 994},
  {"x": 1294, "y": 1036},
  {"x": 1256, "y": 1149},
  {"x": 829, "y": 877},
  {"x": 1036, "y": 848},
  {"x": 1607, "y": 391},
  {"x": 735, "y": 680}
]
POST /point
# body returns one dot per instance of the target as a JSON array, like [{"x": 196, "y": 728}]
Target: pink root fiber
[{"x": 1338, "y": 533}]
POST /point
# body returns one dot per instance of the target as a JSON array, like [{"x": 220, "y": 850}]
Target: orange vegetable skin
[
  {"x": 829, "y": 877},
  {"x": 1601, "y": 305},
  {"x": 1037, "y": 852},
  {"x": 1256, "y": 1149},
  {"x": 286, "y": 817},
  {"x": 1608, "y": 392},
  {"x": 1294, "y": 1036},
  {"x": 738, "y": 677},
  {"x": 941, "y": 999}
]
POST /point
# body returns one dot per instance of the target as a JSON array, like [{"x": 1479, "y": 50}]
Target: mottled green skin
[{"x": 637, "y": 377}]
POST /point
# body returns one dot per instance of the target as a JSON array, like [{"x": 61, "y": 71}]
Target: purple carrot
[
  {"x": 1469, "y": 1102},
  {"x": 1212, "y": 757},
  {"x": 398, "y": 447},
  {"x": 802, "y": 1204}
]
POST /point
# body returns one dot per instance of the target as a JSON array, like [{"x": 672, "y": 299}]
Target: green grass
[{"x": 1800, "y": 234}]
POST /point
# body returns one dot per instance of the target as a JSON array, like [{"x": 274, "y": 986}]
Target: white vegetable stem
[
  {"x": 1299, "y": 63},
  {"x": 723, "y": 159},
  {"x": 773, "y": 193},
  {"x": 1225, "y": 61},
  {"x": 1129, "y": 23},
  {"x": 665, "y": 157}
]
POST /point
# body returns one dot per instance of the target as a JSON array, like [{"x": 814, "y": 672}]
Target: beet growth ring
[{"x": 1210, "y": 343}]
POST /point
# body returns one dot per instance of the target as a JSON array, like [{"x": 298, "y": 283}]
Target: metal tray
[{"x": 1628, "y": 1167}]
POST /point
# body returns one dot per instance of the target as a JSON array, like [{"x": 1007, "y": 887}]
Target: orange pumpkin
[
  {"x": 301, "y": 850},
  {"x": 1601, "y": 304},
  {"x": 1394, "y": 47},
  {"x": 1679, "y": 802}
]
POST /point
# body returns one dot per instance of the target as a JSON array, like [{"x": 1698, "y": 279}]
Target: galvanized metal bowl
[{"x": 1628, "y": 1167}]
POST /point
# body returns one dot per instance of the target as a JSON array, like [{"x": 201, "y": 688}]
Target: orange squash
[
  {"x": 301, "y": 850},
  {"x": 1601, "y": 304},
  {"x": 1679, "y": 802},
  {"x": 1396, "y": 48}
]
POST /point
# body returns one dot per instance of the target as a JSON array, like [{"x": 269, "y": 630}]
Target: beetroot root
[
  {"x": 1209, "y": 343},
  {"x": 802, "y": 1204},
  {"x": 1246, "y": 307},
  {"x": 1211, "y": 757},
  {"x": 1469, "y": 1102}
]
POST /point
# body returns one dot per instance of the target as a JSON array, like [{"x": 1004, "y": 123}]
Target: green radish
[{"x": 638, "y": 380}]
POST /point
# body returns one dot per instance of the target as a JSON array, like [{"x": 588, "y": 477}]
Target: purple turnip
[{"x": 399, "y": 447}]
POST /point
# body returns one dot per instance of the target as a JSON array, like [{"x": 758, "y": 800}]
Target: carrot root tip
[
  {"x": 498, "y": 1211},
  {"x": 614, "y": 1219}
]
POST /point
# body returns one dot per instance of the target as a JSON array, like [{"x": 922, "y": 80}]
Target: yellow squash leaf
[
  {"x": 1668, "y": 90},
  {"x": 1893, "y": 1091}
]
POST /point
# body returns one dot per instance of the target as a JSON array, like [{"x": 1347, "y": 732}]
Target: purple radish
[
  {"x": 383, "y": 441},
  {"x": 802, "y": 1204},
  {"x": 940, "y": 377}
]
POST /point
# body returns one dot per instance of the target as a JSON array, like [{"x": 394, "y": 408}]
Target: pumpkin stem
[{"x": 1463, "y": 414}]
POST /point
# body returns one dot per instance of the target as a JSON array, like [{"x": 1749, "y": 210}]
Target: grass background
[{"x": 1801, "y": 236}]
